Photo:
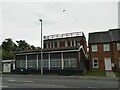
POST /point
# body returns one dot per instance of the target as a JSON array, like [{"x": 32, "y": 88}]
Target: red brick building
[
  {"x": 104, "y": 50},
  {"x": 65, "y": 41}
]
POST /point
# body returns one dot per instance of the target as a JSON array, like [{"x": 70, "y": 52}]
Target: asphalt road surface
[{"x": 36, "y": 81}]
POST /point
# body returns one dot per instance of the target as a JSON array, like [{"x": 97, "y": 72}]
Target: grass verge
[{"x": 95, "y": 73}]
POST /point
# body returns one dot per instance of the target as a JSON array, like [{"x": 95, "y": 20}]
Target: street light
[{"x": 41, "y": 48}]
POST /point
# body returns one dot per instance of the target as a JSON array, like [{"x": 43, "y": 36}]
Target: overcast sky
[{"x": 21, "y": 20}]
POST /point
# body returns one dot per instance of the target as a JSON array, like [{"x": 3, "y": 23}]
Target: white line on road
[
  {"x": 52, "y": 85},
  {"x": 11, "y": 80},
  {"x": 3, "y": 86},
  {"x": 27, "y": 81},
  {"x": 92, "y": 87}
]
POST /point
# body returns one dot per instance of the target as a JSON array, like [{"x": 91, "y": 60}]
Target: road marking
[
  {"x": 92, "y": 87},
  {"x": 27, "y": 81},
  {"x": 11, "y": 80},
  {"x": 3, "y": 86},
  {"x": 46, "y": 85}
]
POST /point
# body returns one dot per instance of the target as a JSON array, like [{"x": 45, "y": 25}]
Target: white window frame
[
  {"x": 74, "y": 42},
  {"x": 94, "y": 48},
  {"x": 50, "y": 45},
  {"x": 70, "y": 43},
  {"x": 106, "y": 47},
  {"x": 66, "y": 43},
  {"x": 93, "y": 63},
  {"x": 53, "y": 44},
  {"x": 118, "y": 46},
  {"x": 58, "y": 44}
]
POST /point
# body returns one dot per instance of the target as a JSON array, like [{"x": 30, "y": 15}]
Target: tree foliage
[
  {"x": 8, "y": 48},
  {"x": 9, "y": 45}
]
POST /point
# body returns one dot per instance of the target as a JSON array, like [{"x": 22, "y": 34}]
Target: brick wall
[{"x": 114, "y": 54}]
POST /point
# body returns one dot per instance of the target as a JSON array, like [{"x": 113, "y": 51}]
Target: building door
[
  {"x": 7, "y": 68},
  {"x": 108, "y": 65}
]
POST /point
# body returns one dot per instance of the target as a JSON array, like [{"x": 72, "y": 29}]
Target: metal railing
[{"x": 65, "y": 35}]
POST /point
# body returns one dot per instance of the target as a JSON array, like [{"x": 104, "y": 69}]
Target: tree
[
  {"x": 22, "y": 45},
  {"x": 32, "y": 47},
  {"x": 6, "y": 55},
  {"x": 9, "y": 45}
]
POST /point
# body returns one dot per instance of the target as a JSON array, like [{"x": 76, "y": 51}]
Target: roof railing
[{"x": 65, "y": 35}]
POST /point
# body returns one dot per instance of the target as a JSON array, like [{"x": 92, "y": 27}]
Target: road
[{"x": 36, "y": 81}]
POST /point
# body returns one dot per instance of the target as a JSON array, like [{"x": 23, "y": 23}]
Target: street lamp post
[{"x": 41, "y": 48}]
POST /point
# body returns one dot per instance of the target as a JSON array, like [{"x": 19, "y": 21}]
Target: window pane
[
  {"x": 106, "y": 47},
  {"x": 50, "y": 45},
  {"x": 53, "y": 44},
  {"x": 78, "y": 43},
  {"x": 66, "y": 44},
  {"x": 66, "y": 62},
  {"x": 118, "y": 46},
  {"x": 94, "y": 48},
  {"x": 73, "y": 62},
  {"x": 55, "y": 62},
  {"x": 57, "y": 44},
  {"x": 95, "y": 63},
  {"x": 74, "y": 43},
  {"x": 70, "y": 43},
  {"x": 45, "y": 63}
]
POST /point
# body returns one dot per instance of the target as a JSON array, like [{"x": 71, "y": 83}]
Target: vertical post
[
  {"x": 79, "y": 59},
  {"x": 37, "y": 61},
  {"x": 26, "y": 61},
  {"x": 41, "y": 49},
  {"x": 49, "y": 60},
  {"x": 69, "y": 63},
  {"x": 62, "y": 60}
]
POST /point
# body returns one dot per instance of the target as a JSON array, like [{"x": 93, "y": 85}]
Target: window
[
  {"x": 46, "y": 45},
  {"x": 45, "y": 63},
  {"x": 106, "y": 47},
  {"x": 55, "y": 63},
  {"x": 53, "y": 44},
  {"x": 66, "y": 44},
  {"x": 66, "y": 62},
  {"x": 70, "y": 43},
  {"x": 94, "y": 48},
  {"x": 39, "y": 63},
  {"x": 74, "y": 42},
  {"x": 50, "y": 45},
  {"x": 118, "y": 46},
  {"x": 95, "y": 63},
  {"x": 73, "y": 62},
  {"x": 78, "y": 43},
  {"x": 70, "y": 62},
  {"x": 58, "y": 44},
  {"x": 20, "y": 64},
  {"x": 31, "y": 63}
]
